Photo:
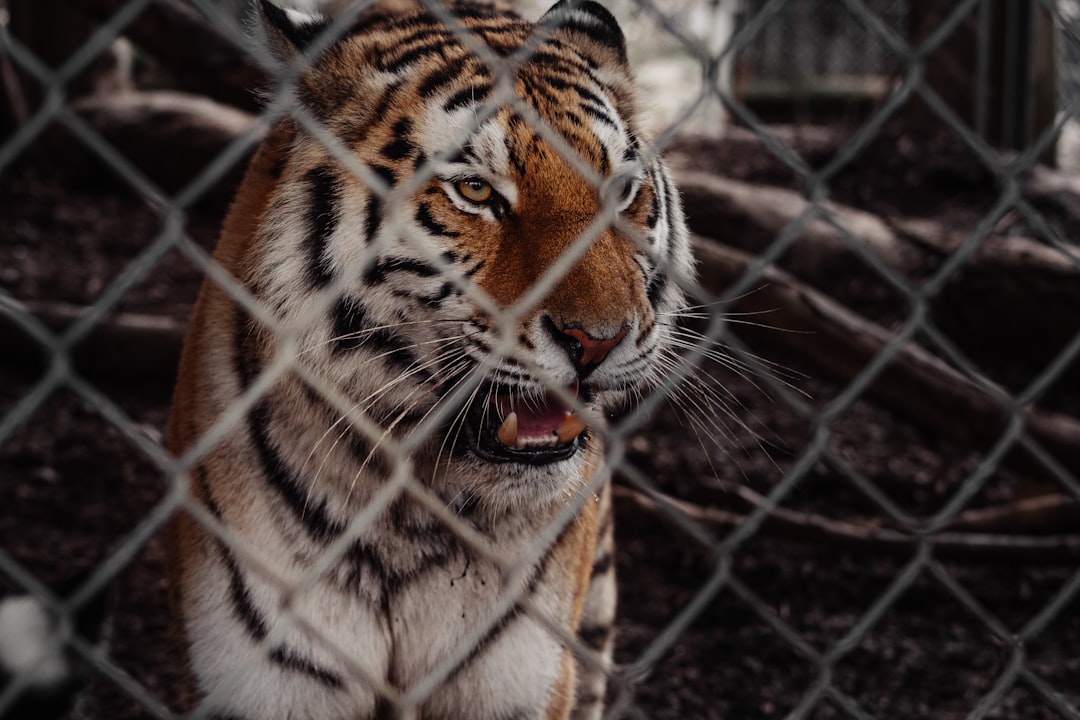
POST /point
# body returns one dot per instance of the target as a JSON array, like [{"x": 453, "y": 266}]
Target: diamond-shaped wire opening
[
  {"x": 922, "y": 658},
  {"x": 86, "y": 569}
]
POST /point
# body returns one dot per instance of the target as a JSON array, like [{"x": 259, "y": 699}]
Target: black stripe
[
  {"x": 351, "y": 324},
  {"x": 300, "y": 34},
  {"x": 256, "y": 625},
  {"x": 672, "y": 196},
  {"x": 508, "y": 617},
  {"x": 376, "y": 274},
  {"x": 203, "y": 483},
  {"x": 503, "y": 42},
  {"x": 385, "y": 710},
  {"x": 375, "y": 204},
  {"x": 552, "y": 61},
  {"x": 595, "y": 635},
  {"x": 436, "y": 300},
  {"x": 246, "y": 353},
  {"x": 485, "y": 11},
  {"x": 602, "y": 564},
  {"x": 517, "y": 159},
  {"x": 289, "y": 660},
  {"x": 351, "y": 320},
  {"x": 474, "y": 94},
  {"x": 358, "y": 131},
  {"x": 313, "y": 515},
  {"x": 600, "y": 26},
  {"x": 358, "y": 444},
  {"x": 535, "y": 93},
  {"x": 241, "y": 598},
  {"x": 433, "y": 43},
  {"x": 323, "y": 220},
  {"x": 438, "y": 79},
  {"x": 278, "y": 166},
  {"x": 401, "y": 145},
  {"x": 387, "y": 175},
  {"x": 588, "y": 97},
  {"x": 655, "y": 288},
  {"x": 660, "y": 197},
  {"x": 433, "y": 226},
  {"x": 475, "y": 268},
  {"x": 598, "y": 113},
  {"x": 420, "y": 162},
  {"x": 395, "y": 583},
  {"x": 571, "y": 53},
  {"x": 463, "y": 154}
]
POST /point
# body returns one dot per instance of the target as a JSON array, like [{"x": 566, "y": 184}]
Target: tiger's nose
[{"x": 585, "y": 350}]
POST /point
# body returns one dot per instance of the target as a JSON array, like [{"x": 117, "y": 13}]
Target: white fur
[{"x": 28, "y": 643}]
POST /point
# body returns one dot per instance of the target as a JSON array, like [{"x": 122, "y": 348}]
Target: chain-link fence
[{"x": 862, "y": 504}]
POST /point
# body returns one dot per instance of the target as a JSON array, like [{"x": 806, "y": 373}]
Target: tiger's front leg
[{"x": 596, "y": 631}]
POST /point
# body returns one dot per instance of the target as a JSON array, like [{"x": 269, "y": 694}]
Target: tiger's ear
[
  {"x": 591, "y": 22},
  {"x": 289, "y": 31}
]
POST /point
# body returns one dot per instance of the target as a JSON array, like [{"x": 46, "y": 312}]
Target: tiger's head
[{"x": 498, "y": 242}]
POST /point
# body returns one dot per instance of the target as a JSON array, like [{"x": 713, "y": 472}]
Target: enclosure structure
[{"x": 871, "y": 508}]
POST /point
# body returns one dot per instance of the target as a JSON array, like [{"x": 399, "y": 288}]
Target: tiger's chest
[{"x": 447, "y": 633}]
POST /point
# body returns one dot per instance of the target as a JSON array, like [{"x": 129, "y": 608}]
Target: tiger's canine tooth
[
  {"x": 508, "y": 430},
  {"x": 570, "y": 428}
]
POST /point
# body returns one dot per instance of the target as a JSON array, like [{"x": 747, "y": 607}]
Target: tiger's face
[{"x": 497, "y": 243}]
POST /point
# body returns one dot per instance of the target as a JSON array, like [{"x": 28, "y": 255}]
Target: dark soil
[{"x": 771, "y": 621}]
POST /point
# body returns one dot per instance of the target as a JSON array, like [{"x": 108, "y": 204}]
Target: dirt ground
[{"x": 75, "y": 489}]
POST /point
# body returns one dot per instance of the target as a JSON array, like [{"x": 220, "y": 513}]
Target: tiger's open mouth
[{"x": 536, "y": 431}]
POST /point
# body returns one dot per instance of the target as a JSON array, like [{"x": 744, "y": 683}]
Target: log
[
  {"x": 1013, "y": 296},
  {"x": 833, "y": 342},
  {"x": 34, "y": 23},
  {"x": 853, "y": 537},
  {"x": 199, "y": 58},
  {"x": 1013, "y": 292},
  {"x": 123, "y": 345},
  {"x": 171, "y": 137},
  {"x": 1053, "y": 512},
  {"x": 752, "y": 216}
]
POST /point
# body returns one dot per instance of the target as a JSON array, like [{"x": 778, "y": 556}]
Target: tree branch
[
  {"x": 198, "y": 57},
  {"x": 818, "y": 530},
  {"x": 836, "y": 343}
]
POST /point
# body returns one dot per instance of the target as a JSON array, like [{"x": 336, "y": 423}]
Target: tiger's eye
[{"x": 475, "y": 190}]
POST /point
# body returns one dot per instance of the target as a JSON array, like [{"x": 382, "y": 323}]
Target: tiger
[{"x": 451, "y": 261}]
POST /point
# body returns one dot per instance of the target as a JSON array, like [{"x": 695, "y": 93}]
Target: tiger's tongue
[{"x": 544, "y": 421}]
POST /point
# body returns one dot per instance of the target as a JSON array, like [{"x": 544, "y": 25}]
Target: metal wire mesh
[
  {"x": 921, "y": 535},
  {"x": 790, "y": 47}
]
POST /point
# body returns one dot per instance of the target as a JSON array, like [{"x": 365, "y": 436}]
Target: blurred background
[{"x": 864, "y": 504}]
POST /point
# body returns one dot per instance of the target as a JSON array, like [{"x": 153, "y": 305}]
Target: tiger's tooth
[
  {"x": 508, "y": 430},
  {"x": 570, "y": 428}
]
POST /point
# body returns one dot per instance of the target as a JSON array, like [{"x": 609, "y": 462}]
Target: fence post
[{"x": 997, "y": 70}]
